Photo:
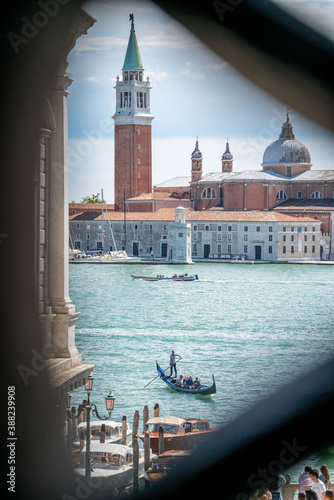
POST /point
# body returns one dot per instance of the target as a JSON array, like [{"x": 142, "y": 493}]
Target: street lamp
[{"x": 88, "y": 406}]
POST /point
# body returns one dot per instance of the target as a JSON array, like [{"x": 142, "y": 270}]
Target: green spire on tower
[{"x": 132, "y": 58}]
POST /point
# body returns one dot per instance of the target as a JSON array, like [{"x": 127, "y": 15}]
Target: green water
[{"x": 253, "y": 326}]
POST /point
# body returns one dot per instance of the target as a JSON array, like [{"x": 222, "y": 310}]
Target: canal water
[{"x": 255, "y": 327}]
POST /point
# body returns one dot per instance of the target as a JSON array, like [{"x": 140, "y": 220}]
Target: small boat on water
[
  {"x": 164, "y": 464},
  {"x": 202, "y": 389},
  {"x": 163, "y": 277},
  {"x": 113, "y": 432},
  {"x": 111, "y": 465},
  {"x": 179, "y": 433}
]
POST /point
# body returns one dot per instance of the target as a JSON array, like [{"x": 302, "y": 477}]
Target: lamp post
[{"x": 88, "y": 406}]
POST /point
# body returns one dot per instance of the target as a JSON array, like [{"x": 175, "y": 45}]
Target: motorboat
[
  {"x": 163, "y": 464},
  {"x": 178, "y": 433},
  {"x": 163, "y": 277},
  {"x": 111, "y": 465}
]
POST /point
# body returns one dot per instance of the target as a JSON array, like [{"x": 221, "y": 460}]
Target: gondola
[{"x": 202, "y": 389}]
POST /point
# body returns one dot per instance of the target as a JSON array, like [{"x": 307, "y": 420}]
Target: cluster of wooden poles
[{"x": 72, "y": 433}]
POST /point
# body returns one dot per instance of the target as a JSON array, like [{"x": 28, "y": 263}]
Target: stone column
[{"x": 61, "y": 305}]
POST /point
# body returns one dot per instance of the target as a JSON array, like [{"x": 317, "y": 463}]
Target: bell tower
[{"x": 133, "y": 154}]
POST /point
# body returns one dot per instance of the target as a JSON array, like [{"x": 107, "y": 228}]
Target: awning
[
  {"x": 166, "y": 420},
  {"x": 113, "y": 449}
]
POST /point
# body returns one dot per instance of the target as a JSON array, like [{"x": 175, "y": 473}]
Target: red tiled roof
[
  {"x": 156, "y": 197},
  {"x": 168, "y": 214}
]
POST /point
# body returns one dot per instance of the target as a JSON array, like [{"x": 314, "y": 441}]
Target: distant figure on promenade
[
  {"x": 317, "y": 486},
  {"x": 329, "y": 495},
  {"x": 172, "y": 362},
  {"x": 264, "y": 494},
  {"x": 324, "y": 476},
  {"x": 275, "y": 487},
  {"x": 304, "y": 478}
]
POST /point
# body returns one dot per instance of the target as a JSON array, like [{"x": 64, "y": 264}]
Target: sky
[{"x": 194, "y": 93}]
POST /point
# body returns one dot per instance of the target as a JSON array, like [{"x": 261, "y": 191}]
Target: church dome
[{"x": 286, "y": 150}]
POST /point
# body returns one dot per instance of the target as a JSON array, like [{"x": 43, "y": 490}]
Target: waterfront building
[
  {"x": 215, "y": 234},
  {"x": 132, "y": 117},
  {"x": 286, "y": 175},
  {"x": 286, "y": 182}
]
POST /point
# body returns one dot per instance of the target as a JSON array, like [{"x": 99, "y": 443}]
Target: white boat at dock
[
  {"x": 115, "y": 257},
  {"x": 113, "y": 432},
  {"x": 111, "y": 465}
]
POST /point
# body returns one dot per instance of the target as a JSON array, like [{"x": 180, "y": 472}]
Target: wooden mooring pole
[
  {"x": 135, "y": 448},
  {"x": 103, "y": 433},
  {"x": 135, "y": 424},
  {"x": 156, "y": 411},
  {"x": 147, "y": 456},
  {"x": 161, "y": 440},
  {"x": 146, "y": 416},
  {"x": 135, "y": 451},
  {"x": 124, "y": 429}
]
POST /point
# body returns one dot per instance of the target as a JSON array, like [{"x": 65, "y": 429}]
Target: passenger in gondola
[
  {"x": 179, "y": 381},
  {"x": 190, "y": 383},
  {"x": 197, "y": 383},
  {"x": 185, "y": 383}
]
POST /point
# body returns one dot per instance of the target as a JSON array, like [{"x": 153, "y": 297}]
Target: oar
[{"x": 159, "y": 374}]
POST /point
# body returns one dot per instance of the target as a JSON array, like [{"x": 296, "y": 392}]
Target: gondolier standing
[{"x": 172, "y": 362}]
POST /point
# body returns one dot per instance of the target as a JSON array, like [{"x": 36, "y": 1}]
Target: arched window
[
  {"x": 281, "y": 195},
  {"x": 316, "y": 195},
  {"x": 209, "y": 193}
]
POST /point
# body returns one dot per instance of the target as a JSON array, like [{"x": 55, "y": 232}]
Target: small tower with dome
[
  {"x": 227, "y": 159},
  {"x": 287, "y": 156},
  {"x": 196, "y": 163}
]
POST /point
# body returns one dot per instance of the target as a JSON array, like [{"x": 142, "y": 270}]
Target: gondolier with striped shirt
[{"x": 172, "y": 362}]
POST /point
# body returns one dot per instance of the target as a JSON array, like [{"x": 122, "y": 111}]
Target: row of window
[
  {"x": 229, "y": 228},
  {"x": 292, "y": 249},
  {"x": 209, "y": 193},
  {"x": 292, "y": 238}
]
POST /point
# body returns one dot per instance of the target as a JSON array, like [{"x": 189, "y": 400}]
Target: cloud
[
  {"x": 93, "y": 79},
  {"x": 203, "y": 71},
  {"x": 170, "y": 36}
]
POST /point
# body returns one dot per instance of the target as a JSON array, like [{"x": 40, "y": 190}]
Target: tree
[{"x": 95, "y": 198}]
